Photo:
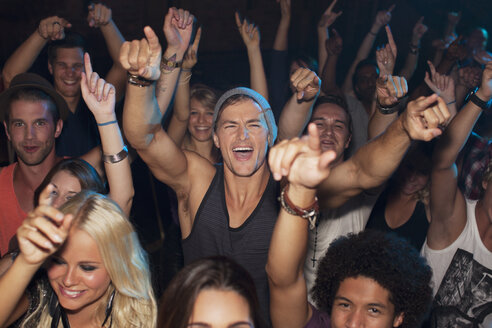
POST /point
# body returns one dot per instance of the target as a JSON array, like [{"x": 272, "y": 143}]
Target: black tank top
[
  {"x": 248, "y": 244},
  {"x": 414, "y": 230}
]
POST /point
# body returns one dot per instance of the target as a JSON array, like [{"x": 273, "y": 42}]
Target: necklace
[{"x": 313, "y": 259}]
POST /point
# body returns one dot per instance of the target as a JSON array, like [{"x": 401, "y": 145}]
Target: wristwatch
[{"x": 472, "y": 96}]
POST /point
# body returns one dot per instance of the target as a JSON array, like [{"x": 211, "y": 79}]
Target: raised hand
[
  {"x": 456, "y": 51},
  {"x": 53, "y": 28},
  {"x": 390, "y": 89},
  {"x": 305, "y": 83},
  {"x": 190, "y": 58},
  {"x": 99, "y": 15},
  {"x": 482, "y": 56},
  {"x": 334, "y": 44},
  {"x": 142, "y": 57},
  {"x": 383, "y": 17},
  {"x": 284, "y": 10},
  {"x": 441, "y": 84},
  {"x": 178, "y": 27},
  {"x": 249, "y": 31},
  {"x": 469, "y": 76},
  {"x": 386, "y": 55},
  {"x": 329, "y": 17},
  {"x": 43, "y": 231},
  {"x": 98, "y": 94},
  {"x": 423, "y": 118},
  {"x": 419, "y": 30},
  {"x": 301, "y": 160},
  {"x": 454, "y": 18}
]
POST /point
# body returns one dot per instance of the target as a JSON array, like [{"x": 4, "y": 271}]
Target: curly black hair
[{"x": 387, "y": 259}]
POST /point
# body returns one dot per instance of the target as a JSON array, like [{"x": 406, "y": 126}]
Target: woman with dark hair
[
  {"x": 211, "y": 292},
  {"x": 403, "y": 207}
]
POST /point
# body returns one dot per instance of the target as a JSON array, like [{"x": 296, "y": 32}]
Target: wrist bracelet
[
  {"x": 107, "y": 123},
  {"x": 138, "y": 80},
  {"x": 387, "y": 110},
  {"x": 372, "y": 33},
  {"x": 310, "y": 213},
  {"x": 451, "y": 102},
  {"x": 116, "y": 158},
  {"x": 169, "y": 64},
  {"x": 185, "y": 80}
]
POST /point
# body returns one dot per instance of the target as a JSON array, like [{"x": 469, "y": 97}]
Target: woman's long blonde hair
[{"x": 125, "y": 260}]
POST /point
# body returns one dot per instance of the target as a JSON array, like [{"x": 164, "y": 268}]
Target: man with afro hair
[{"x": 370, "y": 279}]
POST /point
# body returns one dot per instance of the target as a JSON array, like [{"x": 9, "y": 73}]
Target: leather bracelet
[
  {"x": 472, "y": 96},
  {"x": 138, "y": 80},
  {"x": 116, "y": 158},
  {"x": 387, "y": 110},
  {"x": 310, "y": 213}
]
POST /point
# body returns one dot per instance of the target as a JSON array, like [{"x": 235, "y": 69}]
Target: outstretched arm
[
  {"x": 334, "y": 46},
  {"x": 373, "y": 163},
  {"x": 141, "y": 115},
  {"x": 443, "y": 85},
  {"x": 51, "y": 28},
  {"x": 447, "y": 203},
  {"x": 304, "y": 166},
  {"x": 100, "y": 17},
  {"x": 383, "y": 17},
  {"x": 251, "y": 38},
  {"x": 41, "y": 234},
  {"x": 282, "y": 37},
  {"x": 297, "y": 110},
  {"x": 412, "y": 57},
  {"x": 181, "y": 111},
  {"x": 327, "y": 19},
  {"x": 100, "y": 98}
]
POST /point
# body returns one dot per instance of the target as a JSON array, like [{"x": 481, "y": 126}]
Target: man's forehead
[
  {"x": 70, "y": 54},
  {"x": 329, "y": 111},
  {"x": 247, "y": 108},
  {"x": 29, "y": 109}
]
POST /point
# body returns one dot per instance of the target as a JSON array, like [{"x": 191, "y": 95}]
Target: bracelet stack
[
  {"x": 138, "y": 80},
  {"x": 310, "y": 213}
]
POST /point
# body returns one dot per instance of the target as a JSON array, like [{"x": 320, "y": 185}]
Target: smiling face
[
  {"x": 242, "y": 136},
  {"x": 200, "y": 121},
  {"x": 333, "y": 128},
  {"x": 220, "y": 309},
  {"x": 362, "y": 302},
  {"x": 66, "y": 69},
  {"x": 31, "y": 130},
  {"x": 65, "y": 187},
  {"x": 77, "y": 274}
]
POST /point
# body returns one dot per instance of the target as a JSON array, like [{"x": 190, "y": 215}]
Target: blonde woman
[{"x": 88, "y": 266}]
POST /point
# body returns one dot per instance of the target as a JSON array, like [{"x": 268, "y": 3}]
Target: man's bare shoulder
[{"x": 200, "y": 169}]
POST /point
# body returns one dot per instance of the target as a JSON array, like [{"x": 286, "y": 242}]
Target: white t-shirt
[
  {"x": 349, "y": 218},
  {"x": 462, "y": 278}
]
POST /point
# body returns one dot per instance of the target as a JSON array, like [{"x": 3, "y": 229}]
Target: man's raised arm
[
  {"x": 141, "y": 116},
  {"x": 447, "y": 203},
  {"x": 373, "y": 163},
  {"x": 51, "y": 28}
]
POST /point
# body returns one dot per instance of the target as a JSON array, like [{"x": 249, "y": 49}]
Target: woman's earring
[{"x": 109, "y": 308}]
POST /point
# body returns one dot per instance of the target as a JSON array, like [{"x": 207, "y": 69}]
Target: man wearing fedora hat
[
  {"x": 32, "y": 113},
  {"x": 65, "y": 64}
]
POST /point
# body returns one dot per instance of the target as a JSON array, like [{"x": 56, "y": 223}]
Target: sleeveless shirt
[{"x": 248, "y": 244}]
